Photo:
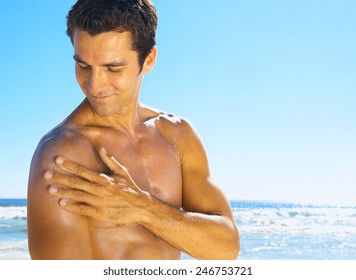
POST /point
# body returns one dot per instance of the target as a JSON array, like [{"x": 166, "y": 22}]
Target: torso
[{"x": 154, "y": 164}]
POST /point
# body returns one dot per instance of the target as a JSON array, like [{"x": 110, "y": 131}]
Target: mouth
[{"x": 100, "y": 98}]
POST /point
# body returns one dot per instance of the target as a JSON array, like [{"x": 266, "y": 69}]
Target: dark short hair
[{"x": 139, "y": 17}]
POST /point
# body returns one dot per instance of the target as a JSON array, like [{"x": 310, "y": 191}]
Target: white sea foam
[
  {"x": 14, "y": 250},
  {"x": 297, "y": 220},
  {"x": 13, "y": 212},
  {"x": 4, "y": 226}
]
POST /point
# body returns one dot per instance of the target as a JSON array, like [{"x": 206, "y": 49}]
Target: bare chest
[{"x": 152, "y": 162}]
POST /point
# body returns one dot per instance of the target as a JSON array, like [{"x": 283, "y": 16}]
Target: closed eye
[
  {"x": 83, "y": 66},
  {"x": 114, "y": 69}
]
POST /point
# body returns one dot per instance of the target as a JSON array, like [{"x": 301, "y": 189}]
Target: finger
[
  {"x": 75, "y": 182},
  {"x": 119, "y": 169},
  {"x": 75, "y": 195},
  {"x": 109, "y": 215},
  {"x": 81, "y": 171},
  {"x": 78, "y": 208},
  {"x": 112, "y": 163}
]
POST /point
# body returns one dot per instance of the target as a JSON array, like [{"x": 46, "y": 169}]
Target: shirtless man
[{"x": 116, "y": 179}]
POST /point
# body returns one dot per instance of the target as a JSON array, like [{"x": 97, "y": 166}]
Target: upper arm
[
  {"x": 53, "y": 233},
  {"x": 199, "y": 192}
]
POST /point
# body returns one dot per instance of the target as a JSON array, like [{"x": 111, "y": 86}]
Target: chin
[{"x": 103, "y": 111}]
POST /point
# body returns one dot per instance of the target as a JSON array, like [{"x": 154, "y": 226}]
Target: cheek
[
  {"x": 79, "y": 76},
  {"x": 120, "y": 82},
  {"x": 81, "y": 79}
]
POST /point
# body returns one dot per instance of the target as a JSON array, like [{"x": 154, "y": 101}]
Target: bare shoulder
[
  {"x": 47, "y": 222},
  {"x": 178, "y": 130},
  {"x": 61, "y": 141},
  {"x": 200, "y": 194},
  {"x": 47, "y": 149},
  {"x": 61, "y": 136},
  {"x": 67, "y": 140}
]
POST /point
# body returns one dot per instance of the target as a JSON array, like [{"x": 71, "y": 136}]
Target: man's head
[{"x": 138, "y": 17}]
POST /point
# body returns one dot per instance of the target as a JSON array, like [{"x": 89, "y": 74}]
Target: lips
[{"x": 100, "y": 98}]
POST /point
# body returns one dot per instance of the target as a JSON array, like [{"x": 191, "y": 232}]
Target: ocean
[
  {"x": 268, "y": 231},
  {"x": 13, "y": 229}
]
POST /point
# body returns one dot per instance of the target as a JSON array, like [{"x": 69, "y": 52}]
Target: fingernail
[
  {"x": 53, "y": 189},
  {"x": 63, "y": 202},
  {"x": 48, "y": 175},
  {"x": 59, "y": 160},
  {"x": 104, "y": 150}
]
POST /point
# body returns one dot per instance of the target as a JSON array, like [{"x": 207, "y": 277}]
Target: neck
[{"x": 127, "y": 120}]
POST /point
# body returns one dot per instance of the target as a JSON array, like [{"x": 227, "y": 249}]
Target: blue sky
[{"x": 269, "y": 85}]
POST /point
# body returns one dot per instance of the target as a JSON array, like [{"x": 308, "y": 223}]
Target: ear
[{"x": 150, "y": 61}]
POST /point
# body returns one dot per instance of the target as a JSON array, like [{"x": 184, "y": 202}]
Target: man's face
[{"x": 107, "y": 71}]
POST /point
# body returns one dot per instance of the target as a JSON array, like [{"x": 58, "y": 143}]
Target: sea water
[
  {"x": 268, "y": 231},
  {"x": 13, "y": 229}
]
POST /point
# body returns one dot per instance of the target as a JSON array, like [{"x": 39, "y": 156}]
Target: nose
[{"x": 96, "y": 82}]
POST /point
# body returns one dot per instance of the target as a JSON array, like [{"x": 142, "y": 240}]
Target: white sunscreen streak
[{"x": 171, "y": 118}]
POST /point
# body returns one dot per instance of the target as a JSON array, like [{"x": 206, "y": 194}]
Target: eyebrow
[{"x": 109, "y": 64}]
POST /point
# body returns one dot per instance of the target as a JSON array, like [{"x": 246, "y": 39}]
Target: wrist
[{"x": 145, "y": 215}]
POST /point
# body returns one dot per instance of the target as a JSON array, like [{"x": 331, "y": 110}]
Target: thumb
[{"x": 112, "y": 163}]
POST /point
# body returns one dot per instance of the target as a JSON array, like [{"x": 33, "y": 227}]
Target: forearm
[{"x": 202, "y": 236}]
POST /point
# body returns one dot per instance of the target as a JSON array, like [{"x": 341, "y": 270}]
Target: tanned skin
[{"x": 119, "y": 180}]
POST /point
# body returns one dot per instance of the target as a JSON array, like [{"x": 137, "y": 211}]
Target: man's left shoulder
[
  {"x": 174, "y": 128},
  {"x": 172, "y": 121},
  {"x": 162, "y": 120},
  {"x": 175, "y": 125}
]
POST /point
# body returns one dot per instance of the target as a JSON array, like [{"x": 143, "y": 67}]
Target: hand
[{"x": 115, "y": 198}]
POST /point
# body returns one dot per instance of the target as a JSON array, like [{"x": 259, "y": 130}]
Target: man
[{"x": 116, "y": 179}]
